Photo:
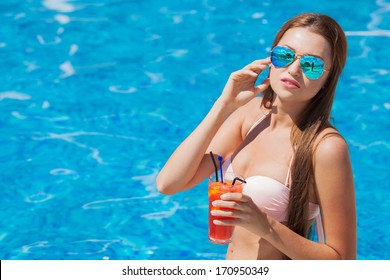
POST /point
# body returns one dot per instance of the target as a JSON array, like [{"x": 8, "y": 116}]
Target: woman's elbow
[{"x": 163, "y": 187}]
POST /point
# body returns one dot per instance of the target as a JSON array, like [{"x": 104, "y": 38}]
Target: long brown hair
[{"x": 314, "y": 118}]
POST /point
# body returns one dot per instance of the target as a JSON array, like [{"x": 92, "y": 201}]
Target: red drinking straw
[{"x": 215, "y": 166}]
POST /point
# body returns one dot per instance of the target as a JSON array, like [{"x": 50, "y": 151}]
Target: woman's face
[{"x": 289, "y": 83}]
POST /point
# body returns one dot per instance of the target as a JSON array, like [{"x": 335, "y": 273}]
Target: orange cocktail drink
[{"x": 221, "y": 234}]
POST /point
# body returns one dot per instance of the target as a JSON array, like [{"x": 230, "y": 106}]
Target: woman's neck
[{"x": 285, "y": 115}]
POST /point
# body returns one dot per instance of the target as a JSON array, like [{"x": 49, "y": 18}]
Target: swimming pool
[{"x": 95, "y": 95}]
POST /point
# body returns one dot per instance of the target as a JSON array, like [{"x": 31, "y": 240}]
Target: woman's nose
[{"x": 294, "y": 69}]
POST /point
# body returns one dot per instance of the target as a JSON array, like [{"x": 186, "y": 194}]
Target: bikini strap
[
  {"x": 258, "y": 122},
  {"x": 289, "y": 171},
  {"x": 292, "y": 158}
]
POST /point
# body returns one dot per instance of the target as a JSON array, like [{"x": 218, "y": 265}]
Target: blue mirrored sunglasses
[{"x": 312, "y": 66}]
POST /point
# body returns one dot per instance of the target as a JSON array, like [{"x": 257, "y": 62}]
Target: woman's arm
[
  {"x": 336, "y": 196},
  {"x": 189, "y": 159},
  {"x": 191, "y": 163}
]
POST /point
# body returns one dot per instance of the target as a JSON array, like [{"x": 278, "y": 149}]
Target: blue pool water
[{"x": 96, "y": 94}]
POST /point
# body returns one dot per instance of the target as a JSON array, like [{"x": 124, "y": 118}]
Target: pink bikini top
[{"x": 272, "y": 196}]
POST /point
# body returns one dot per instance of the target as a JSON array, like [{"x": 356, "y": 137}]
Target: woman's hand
[
  {"x": 245, "y": 212},
  {"x": 240, "y": 88}
]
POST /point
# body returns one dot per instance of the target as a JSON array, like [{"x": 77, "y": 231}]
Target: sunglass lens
[
  {"x": 281, "y": 56},
  {"x": 312, "y": 67}
]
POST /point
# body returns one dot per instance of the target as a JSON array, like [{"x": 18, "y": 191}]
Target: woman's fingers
[
  {"x": 243, "y": 74},
  {"x": 231, "y": 205},
  {"x": 226, "y": 204},
  {"x": 235, "y": 196},
  {"x": 264, "y": 61},
  {"x": 258, "y": 65},
  {"x": 238, "y": 209},
  {"x": 233, "y": 209},
  {"x": 262, "y": 87},
  {"x": 252, "y": 70},
  {"x": 240, "y": 87},
  {"x": 234, "y": 201},
  {"x": 257, "y": 68},
  {"x": 222, "y": 213},
  {"x": 225, "y": 222}
]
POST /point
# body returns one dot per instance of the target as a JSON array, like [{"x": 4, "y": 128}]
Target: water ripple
[
  {"x": 62, "y": 171},
  {"x": 59, "y": 5},
  {"x": 42, "y": 41},
  {"x": 27, "y": 248},
  {"x": 67, "y": 68},
  {"x": 369, "y": 33},
  {"x": 102, "y": 246},
  {"x": 14, "y": 95},
  {"x": 126, "y": 90},
  {"x": 81, "y": 247},
  {"x": 149, "y": 181},
  {"x": 62, "y": 19},
  {"x": 162, "y": 214},
  {"x": 38, "y": 197},
  {"x": 18, "y": 115},
  {"x": 112, "y": 202}
]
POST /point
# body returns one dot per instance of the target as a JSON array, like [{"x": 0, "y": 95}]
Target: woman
[{"x": 295, "y": 163}]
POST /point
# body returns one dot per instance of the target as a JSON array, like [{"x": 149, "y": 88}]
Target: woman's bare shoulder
[
  {"x": 251, "y": 112},
  {"x": 251, "y": 107},
  {"x": 330, "y": 147}
]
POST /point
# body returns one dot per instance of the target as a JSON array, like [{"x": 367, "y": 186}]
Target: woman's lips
[{"x": 290, "y": 83}]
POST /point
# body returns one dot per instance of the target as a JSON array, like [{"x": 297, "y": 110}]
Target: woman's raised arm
[{"x": 190, "y": 163}]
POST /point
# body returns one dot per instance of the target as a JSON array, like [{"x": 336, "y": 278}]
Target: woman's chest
[{"x": 265, "y": 156}]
